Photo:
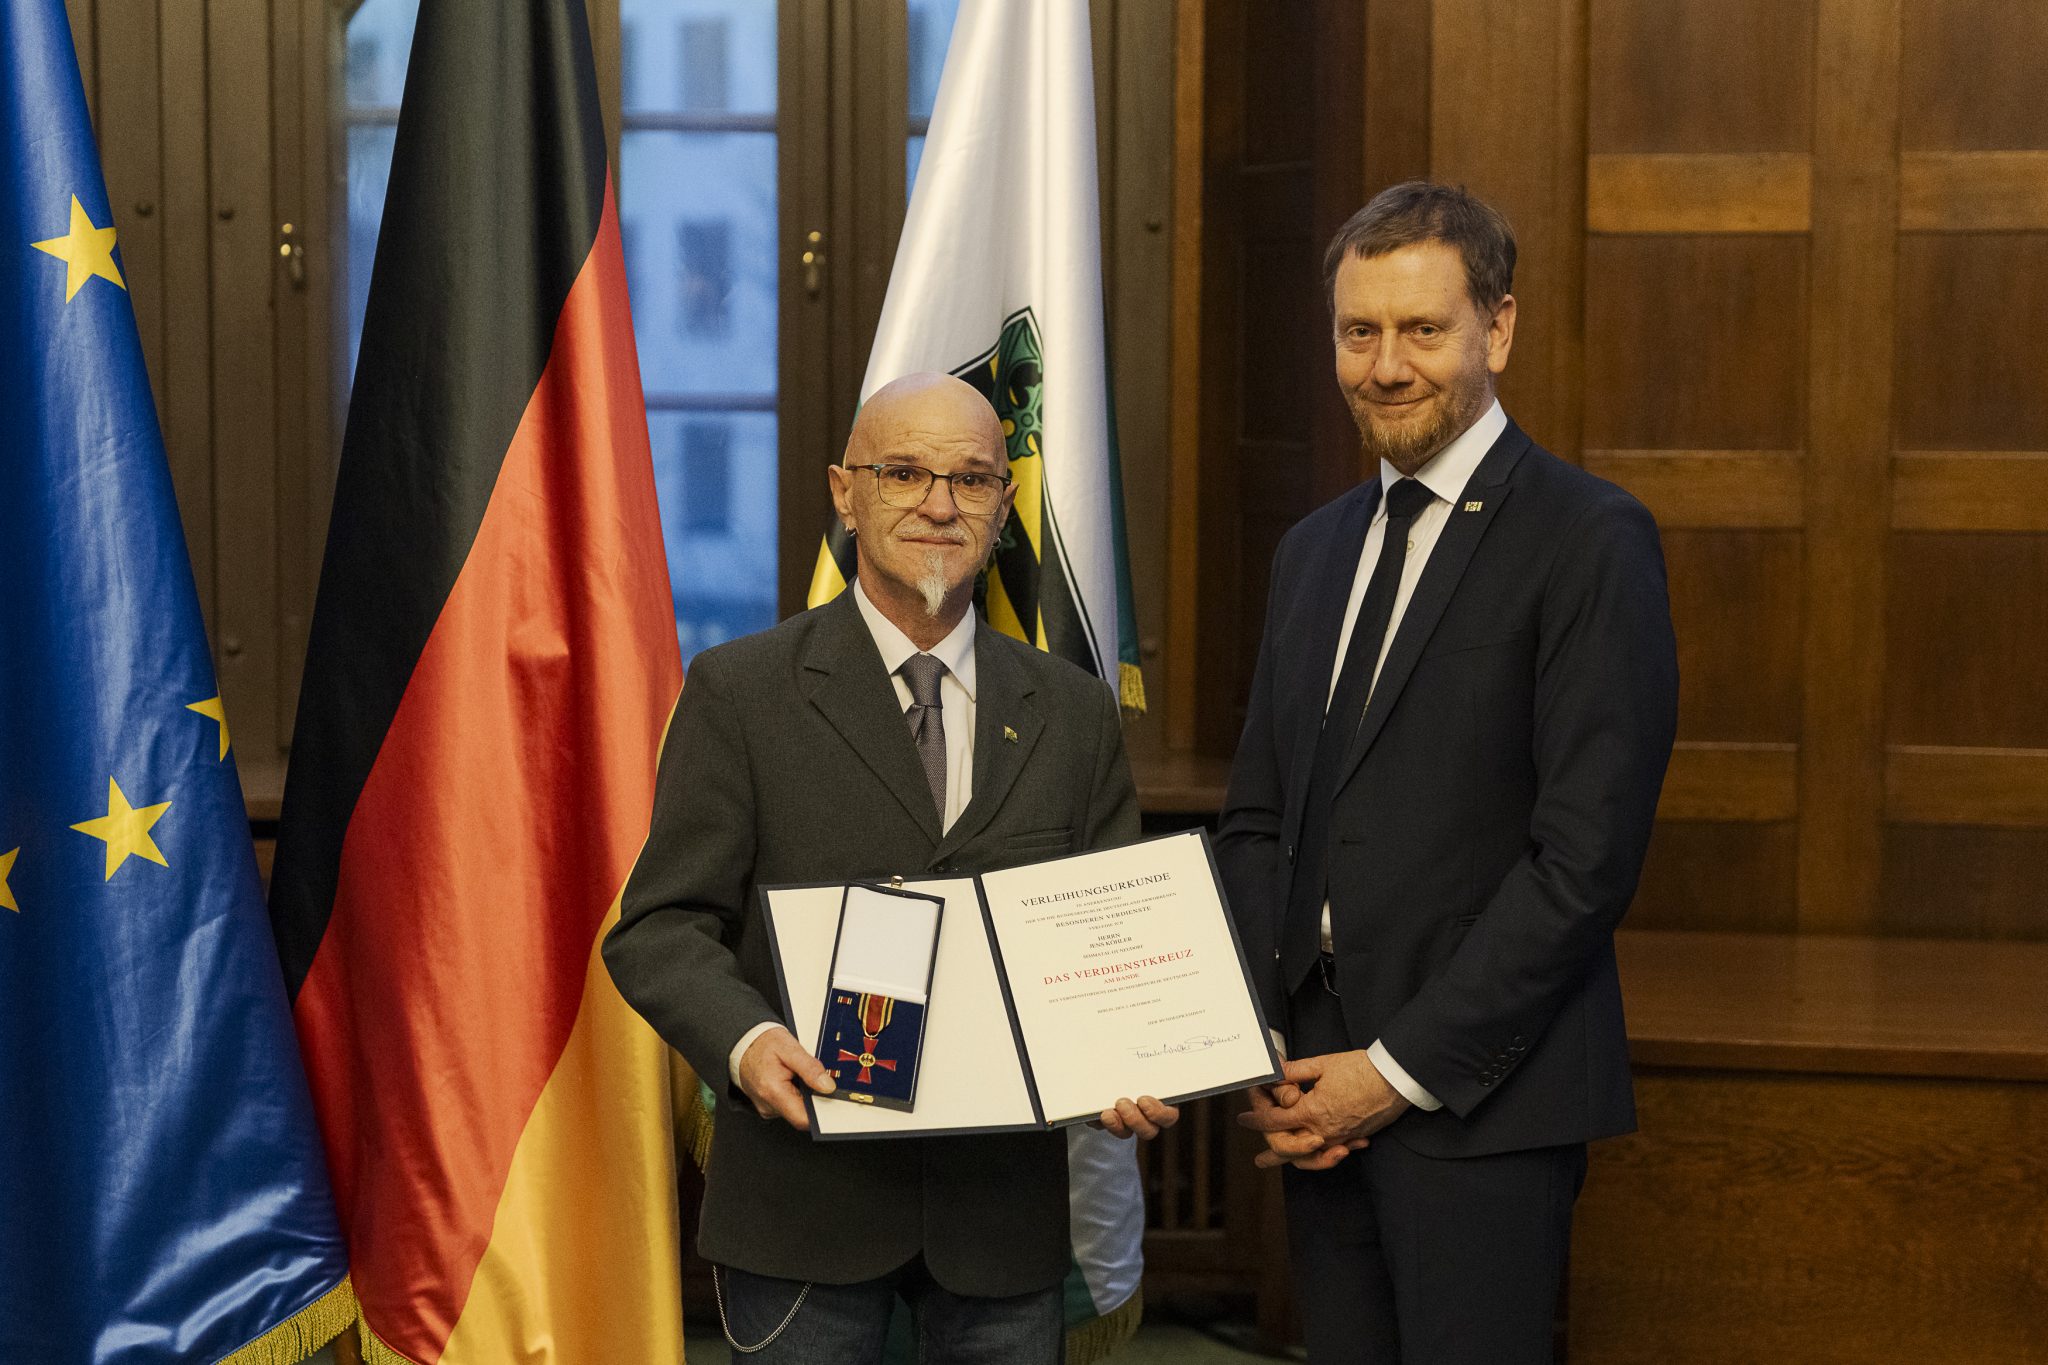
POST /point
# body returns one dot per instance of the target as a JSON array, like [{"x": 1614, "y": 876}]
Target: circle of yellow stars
[{"x": 125, "y": 828}]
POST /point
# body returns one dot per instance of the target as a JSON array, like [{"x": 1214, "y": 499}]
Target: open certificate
[{"x": 1056, "y": 989}]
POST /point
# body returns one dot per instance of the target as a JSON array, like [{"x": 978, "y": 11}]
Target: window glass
[
  {"x": 697, "y": 154},
  {"x": 930, "y": 29},
  {"x": 697, "y": 221}
]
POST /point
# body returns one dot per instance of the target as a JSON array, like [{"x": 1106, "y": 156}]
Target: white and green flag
[{"x": 998, "y": 279}]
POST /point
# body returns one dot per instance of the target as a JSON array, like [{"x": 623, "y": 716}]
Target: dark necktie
[
  {"x": 1301, "y": 932},
  {"x": 928, "y": 723}
]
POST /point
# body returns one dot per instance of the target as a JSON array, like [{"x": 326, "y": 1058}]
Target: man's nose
[
  {"x": 938, "y": 504},
  {"x": 1390, "y": 367}
]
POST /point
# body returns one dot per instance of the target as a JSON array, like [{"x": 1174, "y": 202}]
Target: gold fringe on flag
[
  {"x": 303, "y": 1333},
  {"x": 1098, "y": 1338},
  {"x": 1131, "y": 687},
  {"x": 694, "y": 1112},
  {"x": 374, "y": 1351}
]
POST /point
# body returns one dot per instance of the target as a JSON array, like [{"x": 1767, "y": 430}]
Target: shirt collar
[
  {"x": 1451, "y": 468},
  {"x": 956, "y": 651}
]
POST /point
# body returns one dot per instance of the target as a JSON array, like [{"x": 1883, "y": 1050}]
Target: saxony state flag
[{"x": 998, "y": 279}]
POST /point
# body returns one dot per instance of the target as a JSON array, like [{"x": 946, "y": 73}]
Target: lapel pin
[
  {"x": 1474, "y": 506},
  {"x": 1009, "y": 734}
]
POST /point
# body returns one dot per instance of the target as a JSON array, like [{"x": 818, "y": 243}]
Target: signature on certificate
[{"x": 1201, "y": 1042}]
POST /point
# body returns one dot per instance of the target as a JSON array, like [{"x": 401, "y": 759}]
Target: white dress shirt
[
  {"x": 956, "y": 710},
  {"x": 1446, "y": 475}
]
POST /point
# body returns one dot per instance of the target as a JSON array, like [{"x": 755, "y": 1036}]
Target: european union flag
[{"x": 163, "y": 1196}]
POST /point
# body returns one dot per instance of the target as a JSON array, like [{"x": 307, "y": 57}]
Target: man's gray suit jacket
[{"x": 789, "y": 760}]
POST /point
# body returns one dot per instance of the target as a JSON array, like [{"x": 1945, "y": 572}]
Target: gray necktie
[{"x": 928, "y": 722}]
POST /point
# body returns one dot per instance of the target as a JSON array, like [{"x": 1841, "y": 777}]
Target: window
[
  {"x": 704, "y": 65},
  {"x": 698, "y": 149},
  {"x": 379, "y": 45},
  {"x": 705, "y": 277},
  {"x": 930, "y": 30},
  {"x": 707, "y": 477}
]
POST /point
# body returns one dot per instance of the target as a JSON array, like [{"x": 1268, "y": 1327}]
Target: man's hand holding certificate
[{"x": 1054, "y": 989}]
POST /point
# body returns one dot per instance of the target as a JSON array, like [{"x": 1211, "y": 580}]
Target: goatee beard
[{"x": 932, "y": 583}]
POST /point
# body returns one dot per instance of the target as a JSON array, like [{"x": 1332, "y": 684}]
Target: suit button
[
  {"x": 1518, "y": 1040},
  {"x": 1276, "y": 954},
  {"x": 1290, "y": 855},
  {"x": 1486, "y": 1080}
]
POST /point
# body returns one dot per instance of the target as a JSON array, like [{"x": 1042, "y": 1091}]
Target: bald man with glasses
[{"x": 889, "y": 732}]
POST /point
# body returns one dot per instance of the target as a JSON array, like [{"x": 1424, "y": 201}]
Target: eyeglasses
[{"x": 907, "y": 485}]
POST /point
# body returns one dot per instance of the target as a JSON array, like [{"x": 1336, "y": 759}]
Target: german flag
[{"x": 493, "y": 662}]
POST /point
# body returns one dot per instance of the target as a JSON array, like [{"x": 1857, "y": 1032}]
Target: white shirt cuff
[
  {"x": 1279, "y": 1042},
  {"x": 1399, "y": 1078},
  {"x": 739, "y": 1049}
]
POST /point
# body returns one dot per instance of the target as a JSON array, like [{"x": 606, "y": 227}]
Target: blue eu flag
[{"x": 163, "y": 1196}]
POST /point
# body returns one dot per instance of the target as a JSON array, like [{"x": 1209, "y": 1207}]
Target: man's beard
[
  {"x": 1409, "y": 446},
  {"x": 932, "y": 582}
]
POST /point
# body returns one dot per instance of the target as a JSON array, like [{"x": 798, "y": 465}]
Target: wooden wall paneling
[
  {"x": 1684, "y": 76},
  {"x": 1571, "y": 76},
  {"x": 1337, "y": 190},
  {"x": 1973, "y": 191},
  {"x": 1699, "y": 192},
  {"x": 1819, "y": 1219},
  {"x": 1498, "y": 124},
  {"x": 1855, "y": 209},
  {"x": 128, "y": 119},
  {"x": 1967, "y": 630},
  {"x": 1139, "y": 210},
  {"x": 1225, "y": 317},
  {"x": 185, "y": 371},
  {"x": 1707, "y": 489},
  {"x": 1967, "y": 785},
  {"x": 1735, "y": 601},
  {"x": 1192, "y": 320},
  {"x": 1955, "y": 881},
  {"x": 244, "y": 394},
  {"x": 1283, "y": 362},
  {"x": 1728, "y": 780},
  {"x": 1721, "y": 875},
  {"x": 1696, "y": 342},
  {"x": 1396, "y": 97},
  {"x": 1972, "y": 74},
  {"x": 1971, "y": 355},
  {"x": 1969, "y": 491}
]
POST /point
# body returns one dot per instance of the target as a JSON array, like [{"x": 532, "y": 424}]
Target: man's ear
[
  {"x": 841, "y": 481},
  {"x": 1500, "y": 334}
]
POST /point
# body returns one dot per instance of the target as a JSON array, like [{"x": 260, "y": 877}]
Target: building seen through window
[{"x": 696, "y": 185}]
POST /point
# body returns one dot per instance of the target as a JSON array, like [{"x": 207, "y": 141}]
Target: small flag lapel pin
[{"x": 1009, "y": 734}]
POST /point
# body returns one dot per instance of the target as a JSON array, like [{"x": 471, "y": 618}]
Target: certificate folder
[{"x": 1054, "y": 989}]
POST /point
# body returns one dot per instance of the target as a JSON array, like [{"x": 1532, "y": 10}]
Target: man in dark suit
[
  {"x": 889, "y": 732},
  {"x": 1463, "y": 706}
]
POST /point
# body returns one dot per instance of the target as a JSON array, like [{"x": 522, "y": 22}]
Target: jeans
[{"x": 787, "y": 1322}]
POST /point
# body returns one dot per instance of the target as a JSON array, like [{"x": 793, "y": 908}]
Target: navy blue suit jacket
[{"x": 1498, "y": 800}]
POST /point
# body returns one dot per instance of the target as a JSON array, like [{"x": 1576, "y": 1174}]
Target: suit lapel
[
  {"x": 1469, "y": 518},
  {"x": 843, "y": 670},
  {"x": 1331, "y": 578},
  {"x": 1006, "y": 729}
]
